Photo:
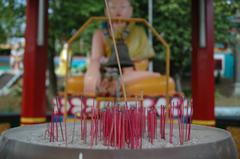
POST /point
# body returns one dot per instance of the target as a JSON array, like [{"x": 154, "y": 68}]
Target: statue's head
[{"x": 120, "y": 8}]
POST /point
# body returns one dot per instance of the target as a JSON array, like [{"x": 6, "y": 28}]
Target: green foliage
[
  {"x": 66, "y": 17},
  {"x": 12, "y": 19},
  {"x": 172, "y": 18},
  {"x": 224, "y": 12}
]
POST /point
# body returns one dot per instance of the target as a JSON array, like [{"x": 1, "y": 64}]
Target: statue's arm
[{"x": 92, "y": 76}]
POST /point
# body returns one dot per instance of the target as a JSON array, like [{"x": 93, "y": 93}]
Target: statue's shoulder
[{"x": 136, "y": 29}]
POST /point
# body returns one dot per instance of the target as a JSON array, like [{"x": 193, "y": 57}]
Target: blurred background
[{"x": 171, "y": 18}]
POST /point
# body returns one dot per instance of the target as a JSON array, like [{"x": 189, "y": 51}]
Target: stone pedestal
[{"x": 28, "y": 142}]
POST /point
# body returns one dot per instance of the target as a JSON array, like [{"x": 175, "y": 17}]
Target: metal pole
[
  {"x": 237, "y": 67},
  {"x": 150, "y": 20},
  {"x": 150, "y": 36},
  {"x": 40, "y": 31},
  {"x": 202, "y": 24}
]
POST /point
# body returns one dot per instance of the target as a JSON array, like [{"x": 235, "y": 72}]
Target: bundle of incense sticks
[
  {"x": 181, "y": 110},
  {"x": 126, "y": 126},
  {"x": 53, "y": 127},
  {"x": 162, "y": 121}
]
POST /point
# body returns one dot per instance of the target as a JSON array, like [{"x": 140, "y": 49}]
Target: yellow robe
[{"x": 137, "y": 42}]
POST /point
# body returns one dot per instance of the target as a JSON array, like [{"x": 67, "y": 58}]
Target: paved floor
[{"x": 236, "y": 136}]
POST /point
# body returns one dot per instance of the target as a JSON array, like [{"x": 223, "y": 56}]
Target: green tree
[
  {"x": 172, "y": 18},
  {"x": 65, "y": 17},
  {"x": 12, "y": 19},
  {"x": 224, "y": 12}
]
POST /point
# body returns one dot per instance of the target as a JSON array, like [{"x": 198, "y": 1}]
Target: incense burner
[{"x": 28, "y": 142}]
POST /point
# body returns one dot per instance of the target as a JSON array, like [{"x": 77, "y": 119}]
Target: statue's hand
[{"x": 91, "y": 79}]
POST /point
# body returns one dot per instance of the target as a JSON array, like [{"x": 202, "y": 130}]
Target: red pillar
[
  {"x": 203, "y": 62},
  {"x": 35, "y": 61}
]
